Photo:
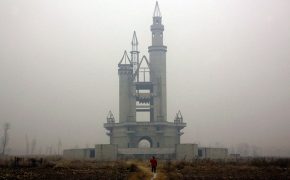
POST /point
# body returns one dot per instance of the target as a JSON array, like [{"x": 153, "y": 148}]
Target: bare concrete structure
[
  {"x": 142, "y": 89},
  {"x": 186, "y": 151},
  {"x": 106, "y": 152}
]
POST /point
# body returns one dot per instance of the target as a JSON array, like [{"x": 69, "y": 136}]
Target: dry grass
[
  {"x": 142, "y": 172},
  {"x": 250, "y": 169},
  {"x": 65, "y": 169},
  {"x": 56, "y": 168}
]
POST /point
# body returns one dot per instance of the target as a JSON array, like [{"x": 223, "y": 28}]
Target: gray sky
[{"x": 228, "y": 69}]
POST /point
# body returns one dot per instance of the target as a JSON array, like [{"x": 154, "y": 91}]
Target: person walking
[{"x": 153, "y": 163}]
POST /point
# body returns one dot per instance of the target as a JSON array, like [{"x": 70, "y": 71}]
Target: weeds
[{"x": 56, "y": 168}]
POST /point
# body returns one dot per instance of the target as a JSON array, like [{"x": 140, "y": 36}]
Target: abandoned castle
[{"x": 142, "y": 89}]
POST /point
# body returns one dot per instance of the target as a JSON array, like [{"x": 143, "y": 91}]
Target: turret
[
  {"x": 127, "y": 102},
  {"x": 157, "y": 28},
  {"x": 157, "y": 56}
]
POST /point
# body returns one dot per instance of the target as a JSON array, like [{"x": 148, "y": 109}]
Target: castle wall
[
  {"x": 146, "y": 153},
  {"x": 106, "y": 152},
  {"x": 186, "y": 152},
  {"x": 109, "y": 152},
  {"x": 159, "y": 135}
]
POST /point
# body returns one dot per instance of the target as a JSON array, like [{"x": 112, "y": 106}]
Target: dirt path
[{"x": 146, "y": 173}]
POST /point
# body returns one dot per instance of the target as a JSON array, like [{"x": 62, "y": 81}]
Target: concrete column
[
  {"x": 127, "y": 100},
  {"x": 157, "y": 56}
]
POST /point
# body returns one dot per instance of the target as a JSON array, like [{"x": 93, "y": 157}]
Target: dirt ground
[
  {"x": 55, "y": 169},
  {"x": 66, "y": 170},
  {"x": 225, "y": 170}
]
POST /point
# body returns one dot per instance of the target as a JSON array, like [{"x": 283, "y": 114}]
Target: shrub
[{"x": 133, "y": 168}]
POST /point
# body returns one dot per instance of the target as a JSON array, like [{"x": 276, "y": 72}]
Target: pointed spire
[
  {"x": 110, "y": 117},
  {"x": 157, "y": 12},
  {"x": 125, "y": 59},
  {"x": 179, "y": 115},
  {"x": 134, "y": 43},
  {"x": 134, "y": 39},
  {"x": 178, "y": 118}
]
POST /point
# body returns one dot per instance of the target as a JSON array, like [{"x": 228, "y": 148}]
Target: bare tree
[
  {"x": 59, "y": 146},
  {"x": 46, "y": 150},
  {"x": 33, "y": 145},
  {"x": 27, "y": 144},
  {"x": 50, "y": 150},
  {"x": 40, "y": 151},
  {"x": 6, "y": 127}
]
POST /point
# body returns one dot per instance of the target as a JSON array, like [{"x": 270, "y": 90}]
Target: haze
[{"x": 228, "y": 69}]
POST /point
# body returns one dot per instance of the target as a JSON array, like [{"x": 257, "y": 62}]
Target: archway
[{"x": 145, "y": 142}]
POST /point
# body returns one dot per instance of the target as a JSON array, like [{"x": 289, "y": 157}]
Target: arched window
[{"x": 144, "y": 143}]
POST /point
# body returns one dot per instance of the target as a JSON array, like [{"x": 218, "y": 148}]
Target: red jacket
[{"x": 153, "y": 162}]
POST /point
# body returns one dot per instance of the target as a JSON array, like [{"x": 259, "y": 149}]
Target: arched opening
[{"x": 145, "y": 143}]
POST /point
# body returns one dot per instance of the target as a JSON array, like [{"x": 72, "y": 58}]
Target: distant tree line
[{"x": 5, "y": 137}]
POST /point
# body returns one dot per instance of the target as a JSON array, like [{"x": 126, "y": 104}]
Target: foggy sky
[{"x": 228, "y": 69}]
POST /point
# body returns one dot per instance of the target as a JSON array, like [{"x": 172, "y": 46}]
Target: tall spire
[
  {"x": 134, "y": 42},
  {"x": 134, "y": 39},
  {"x": 135, "y": 54},
  {"x": 157, "y": 27},
  {"x": 157, "y": 12}
]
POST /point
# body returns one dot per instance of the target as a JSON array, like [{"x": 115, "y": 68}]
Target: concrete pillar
[
  {"x": 127, "y": 100},
  {"x": 157, "y": 56}
]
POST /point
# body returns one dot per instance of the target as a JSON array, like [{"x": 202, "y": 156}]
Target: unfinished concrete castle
[{"x": 142, "y": 88}]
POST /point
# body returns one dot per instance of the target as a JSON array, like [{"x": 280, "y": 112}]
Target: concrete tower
[
  {"x": 127, "y": 102},
  {"x": 142, "y": 88},
  {"x": 157, "y": 56}
]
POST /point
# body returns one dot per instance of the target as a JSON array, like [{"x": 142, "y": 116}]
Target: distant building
[
  {"x": 142, "y": 88},
  {"x": 234, "y": 156}
]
